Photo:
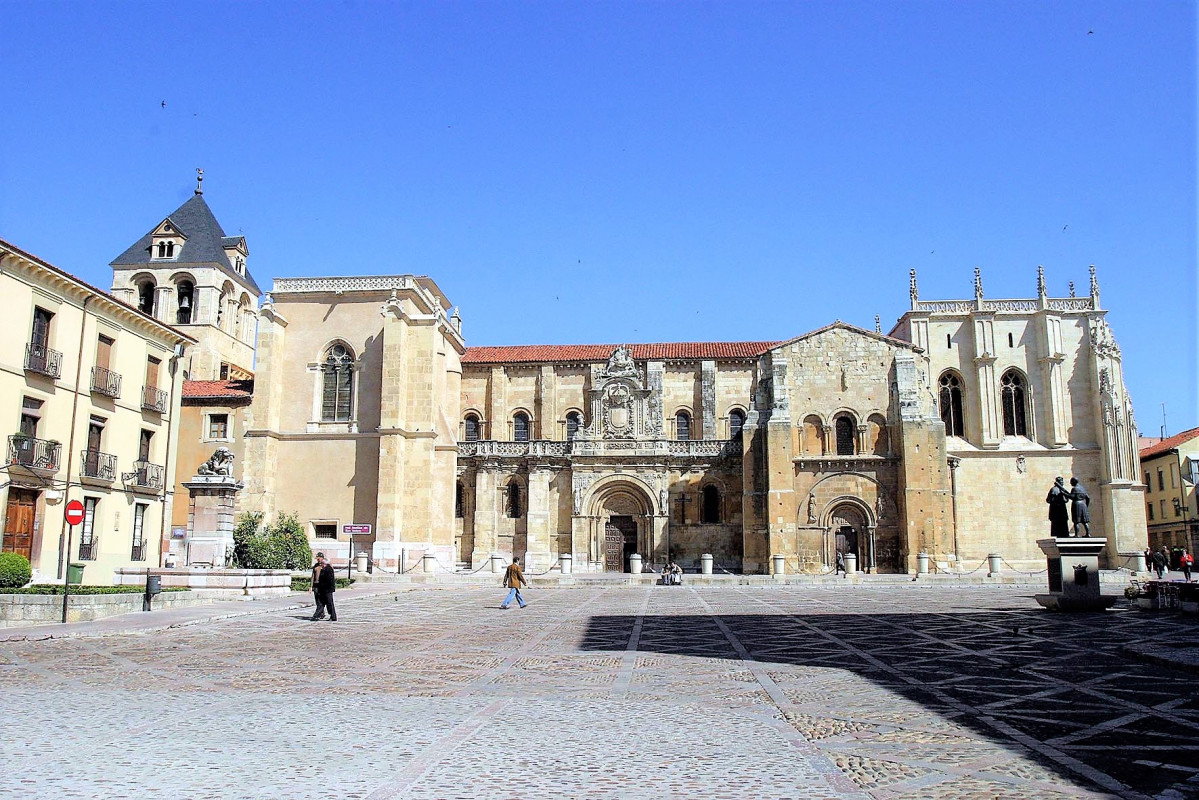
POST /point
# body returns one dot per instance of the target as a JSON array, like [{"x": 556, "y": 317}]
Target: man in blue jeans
[{"x": 514, "y": 579}]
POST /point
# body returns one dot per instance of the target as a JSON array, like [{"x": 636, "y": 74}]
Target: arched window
[
  {"x": 459, "y": 504},
  {"x": 951, "y": 404},
  {"x": 170, "y": 249},
  {"x": 162, "y": 249},
  {"x": 471, "y": 428},
  {"x": 338, "y": 387},
  {"x": 880, "y": 443},
  {"x": 845, "y": 435},
  {"x": 813, "y": 432},
  {"x": 682, "y": 426},
  {"x": 574, "y": 421},
  {"x": 736, "y": 423},
  {"x": 520, "y": 427},
  {"x": 710, "y": 511},
  {"x": 185, "y": 300},
  {"x": 145, "y": 297},
  {"x": 1015, "y": 398},
  {"x": 513, "y": 506}
]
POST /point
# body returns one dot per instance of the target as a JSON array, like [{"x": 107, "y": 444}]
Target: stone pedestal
[
  {"x": 209, "y": 541},
  {"x": 1073, "y": 574}
]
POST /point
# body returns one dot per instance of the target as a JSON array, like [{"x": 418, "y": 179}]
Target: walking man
[
  {"x": 840, "y": 565},
  {"x": 324, "y": 583},
  {"x": 1160, "y": 562},
  {"x": 514, "y": 579}
]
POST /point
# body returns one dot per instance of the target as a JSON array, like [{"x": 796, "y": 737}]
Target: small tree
[
  {"x": 14, "y": 570},
  {"x": 247, "y": 544},
  {"x": 279, "y": 546}
]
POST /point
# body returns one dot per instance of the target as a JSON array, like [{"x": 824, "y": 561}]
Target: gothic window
[
  {"x": 845, "y": 435},
  {"x": 520, "y": 427},
  {"x": 1015, "y": 404},
  {"x": 574, "y": 421},
  {"x": 951, "y": 404},
  {"x": 736, "y": 423},
  {"x": 682, "y": 426},
  {"x": 711, "y": 505},
  {"x": 338, "y": 385},
  {"x": 513, "y": 506},
  {"x": 459, "y": 506},
  {"x": 471, "y": 428}
]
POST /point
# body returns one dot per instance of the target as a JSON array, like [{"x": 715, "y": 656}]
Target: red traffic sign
[{"x": 74, "y": 512}]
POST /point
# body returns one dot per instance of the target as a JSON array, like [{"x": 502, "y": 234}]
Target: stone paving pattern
[{"x": 608, "y": 692}]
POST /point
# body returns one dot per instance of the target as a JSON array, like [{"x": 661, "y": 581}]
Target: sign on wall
[{"x": 356, "y": 528}]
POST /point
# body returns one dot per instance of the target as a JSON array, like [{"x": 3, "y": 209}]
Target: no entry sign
[{"x": 74, "y": 512}]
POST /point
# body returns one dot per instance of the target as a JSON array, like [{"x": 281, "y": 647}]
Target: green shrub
[
  {"x": 14, "y": 570},
  {"x": 305, "y": 584},
  {"x": 53, "y": 588},
  {"x": 283, "y": 545}
]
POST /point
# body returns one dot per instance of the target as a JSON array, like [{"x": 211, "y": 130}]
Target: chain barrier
[{"x": 1022, "y": 572}]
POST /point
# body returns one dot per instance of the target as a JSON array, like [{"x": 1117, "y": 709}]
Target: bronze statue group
[{"x": 1078, "y": 501}]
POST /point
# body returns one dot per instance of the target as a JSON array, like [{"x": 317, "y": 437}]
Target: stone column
[
  {"x": 210, "y": 519},
  {"x": 707, "y": 395},
  {"x": 164, "y": 305},
  {"x": 486, "y": 514},
  {"x": 538, "y": 555}
]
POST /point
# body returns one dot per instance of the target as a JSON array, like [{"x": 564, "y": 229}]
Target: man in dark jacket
[{"x": 324, "y": 583}]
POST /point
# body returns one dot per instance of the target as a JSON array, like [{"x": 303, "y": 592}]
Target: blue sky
[{"x": 617, "y": 172}]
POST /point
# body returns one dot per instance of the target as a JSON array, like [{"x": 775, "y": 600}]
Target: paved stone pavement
[{"x": 659, "y": 692}]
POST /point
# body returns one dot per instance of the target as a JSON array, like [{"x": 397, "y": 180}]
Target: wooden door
[
  {"x": 103, "y": 352},
  {"x": 620, "y": 540},
  {"x": 18, "y": 521}
]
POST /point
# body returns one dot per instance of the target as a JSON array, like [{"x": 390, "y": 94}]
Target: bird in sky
[
  {"x": 1090, "y": 33},
  {"x": 1064, "y": 228},
  {"x": 164, "y": 103}
]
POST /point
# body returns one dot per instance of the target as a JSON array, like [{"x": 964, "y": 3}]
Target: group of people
[
  {"x": 672, "y": 574},
  {"x": 1078, "y": 501},
  {"x": 1159, "y": 562}
]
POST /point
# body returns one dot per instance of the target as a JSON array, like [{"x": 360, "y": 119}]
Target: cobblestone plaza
[{"x": 609, "y": 692}]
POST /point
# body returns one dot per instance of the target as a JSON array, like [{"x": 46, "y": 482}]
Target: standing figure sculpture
[
  {"x": 1059, "y": 518},
  {"x": 1080, "y": 507}
]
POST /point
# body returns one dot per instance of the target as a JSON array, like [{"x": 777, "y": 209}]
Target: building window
[
  {"x": 324, "y": 530},
  {"x": 218, "y": 426},
  {"x": 520, "y": 427},
  {"x": 459, "y": 505},
  {"x": 574, "y": 421},
  {"x": 1161, "y": 481},
  {"x": 1149, "y": 508},
  {"x": 1015, "y": 409},
  {"x": 1163, "y": 506},
  {"x": 1010, "y": 342},
  {"x": 513, "y": 506},
  {"x": 87, "y": 539},
  {"x": 471, "y": 428},
  {"x": 951, "y": 404},
  {"x": 710, "y": 510},
  {"x": 1148, "y": 483},
  {"x": 31, "y": 415},
  {"x": 39, "y": 337},
  {"x": 682, "y": 426},
  {"x": 338, "y": 386},
  {"x": 845, "y": 435},
  {"x": 736, "y": 423},
  {"x": 948, "y": 342},
  {"x": 185, "y": 301},
  {"x": 138, "y": 551}
]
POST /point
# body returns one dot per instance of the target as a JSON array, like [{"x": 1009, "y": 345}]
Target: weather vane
[{"x": 199, "y": 181}]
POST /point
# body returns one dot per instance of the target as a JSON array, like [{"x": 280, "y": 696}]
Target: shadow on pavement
[{"x": 1060, "y": 688}]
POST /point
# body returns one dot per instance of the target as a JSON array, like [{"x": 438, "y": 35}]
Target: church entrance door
[
  {"x": 847, "y": 540},
  {"x": 620, "y": 542}
]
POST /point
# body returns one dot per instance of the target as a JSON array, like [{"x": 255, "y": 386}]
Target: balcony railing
[
  {"x": 154, "y": 399},
  {"x": 43, "y": 360},
  {"x": 138, "y": 553},
  {"x": 87, "y": 550},
  {"x": 37, "y": 454},
  {"x": 97, "y": 465},
  {"x": 105, "y": 381},
  {"x": 144, "y": 476}
]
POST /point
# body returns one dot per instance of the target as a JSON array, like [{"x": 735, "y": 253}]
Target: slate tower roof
[{"x": 205, "y": 245}]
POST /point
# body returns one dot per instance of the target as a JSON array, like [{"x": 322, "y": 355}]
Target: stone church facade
[{"x": 360, "y": 403}]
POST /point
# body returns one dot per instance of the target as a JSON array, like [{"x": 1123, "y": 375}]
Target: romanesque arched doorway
[
  {"x": 847, "y": 527},
  {"x": 626, "y": 524}
]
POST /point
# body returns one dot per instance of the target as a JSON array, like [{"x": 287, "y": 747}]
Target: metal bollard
[
  {"x": 851, "y": 564},
  {"x": 428, "y": 563},
  {"x": 635, "y": 564},
  {"x": 994, "y": 564},
  {"x": 705, "y": 564},
  {"x": 780, "y": 564},
  {"x": 922, "y": 563},
  {"x": 497, "y": 564},
  {"x": 567, "y": 563}
]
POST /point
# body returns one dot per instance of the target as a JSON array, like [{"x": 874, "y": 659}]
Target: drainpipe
[
  {"x": 64, "y": 553},
  {"x": 169, "y": 477},
  {"x": 1182, "y": 501}
]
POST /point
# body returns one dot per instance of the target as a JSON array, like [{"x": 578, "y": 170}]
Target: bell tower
[{"x": 187, "y": 273}]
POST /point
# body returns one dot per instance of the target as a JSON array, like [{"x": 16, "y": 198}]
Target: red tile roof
[
  {"x": 1168, "y": 444},
  {"x": 543, "y": 353},
  {"x": 233, "y": 390}
]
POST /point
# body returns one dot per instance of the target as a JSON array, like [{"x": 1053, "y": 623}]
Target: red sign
[{"x": 74, "y": 512}]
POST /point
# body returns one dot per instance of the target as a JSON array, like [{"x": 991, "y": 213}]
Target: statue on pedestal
[
  {"x": 1059, "y": 518},
  {"x": 220, "y": 464},
  {"x": 1080, "y": 507}
]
